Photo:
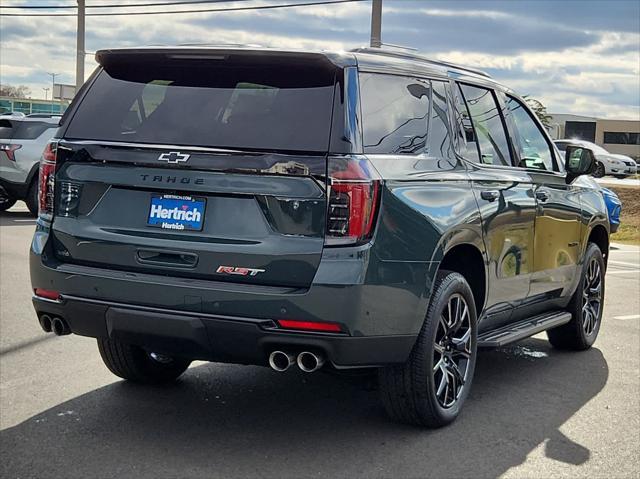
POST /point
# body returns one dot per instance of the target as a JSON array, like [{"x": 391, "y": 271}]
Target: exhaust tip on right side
[
  {"x": 60, "y": 327},
  {"x": 309, "y": 362}
]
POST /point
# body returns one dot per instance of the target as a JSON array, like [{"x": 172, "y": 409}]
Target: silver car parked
[
  {"x": 607, "y": 163},
  {"x": 22, "y": 140}
]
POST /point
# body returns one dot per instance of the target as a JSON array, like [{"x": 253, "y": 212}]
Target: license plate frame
[{"x": 176, "y": 212}]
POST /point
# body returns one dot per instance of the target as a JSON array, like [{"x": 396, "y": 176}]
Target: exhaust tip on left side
[{"x": 46, "y": 323}]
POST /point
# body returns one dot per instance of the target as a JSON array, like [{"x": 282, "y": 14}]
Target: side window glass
[
  {"x": 533, "y": 147},
  {"x": 395, "y": 112},
  {"x": 468, "y": 142},
  {"x": 488, "y": 125},
  {"x": 440, "y": 144}
]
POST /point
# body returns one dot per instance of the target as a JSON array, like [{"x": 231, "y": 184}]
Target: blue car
[{"x": 614, "y": 205}]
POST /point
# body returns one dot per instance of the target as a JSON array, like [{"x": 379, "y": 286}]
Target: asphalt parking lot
[{"x": 533, "y": 411}]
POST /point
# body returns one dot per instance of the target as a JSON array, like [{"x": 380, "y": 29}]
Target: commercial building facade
[
  {"x": 29, "y": 105},
  {"x": 616, "y": 136}
]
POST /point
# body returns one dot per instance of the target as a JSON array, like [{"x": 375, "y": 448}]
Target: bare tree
[
  {"x": 20, "y": 91},
  {"x": 540, "y": 110}
]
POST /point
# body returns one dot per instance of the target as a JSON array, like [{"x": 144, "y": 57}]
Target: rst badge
[{"x": 238, "y": 270}]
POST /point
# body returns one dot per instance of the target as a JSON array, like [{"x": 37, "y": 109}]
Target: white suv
[
  {"x": 607, "y": 163},
  {"x": 22, "y": 140}
]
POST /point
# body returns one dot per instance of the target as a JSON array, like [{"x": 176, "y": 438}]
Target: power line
[
  {"x": 128, "y": 5},
  {"x": 167, "y": 12}
]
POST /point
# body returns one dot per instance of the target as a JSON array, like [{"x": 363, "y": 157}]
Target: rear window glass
[
  {"x": 24, "y": 130},
  {"x": 221, "y": 104}
]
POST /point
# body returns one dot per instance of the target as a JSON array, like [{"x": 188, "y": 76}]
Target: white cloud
[{"x": 601, "y": 78}]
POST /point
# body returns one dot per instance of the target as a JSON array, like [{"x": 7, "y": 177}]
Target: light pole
[
  {"x": 376, "y": 23},
  {"x": 46, "y": 93},
  {"x": 80, "y": 46},
  {"x": 53, "y": 81}
]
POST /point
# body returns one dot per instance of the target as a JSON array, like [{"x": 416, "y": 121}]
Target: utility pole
[
  {"x": 376, "y": 23},
  {"x": 53, "y": 82},
  {"x": 80, "y": 46}
]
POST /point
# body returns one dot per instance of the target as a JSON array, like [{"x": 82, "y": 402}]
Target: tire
[
  {"x": 413, "y": 393},
  {"x": 581, "y": 332},
  {"x": 6, "y": 203},
  {"x": 32, "y": 197},
  {"x": 137, "y": 365},
  {"x": 599, "y": 171}
]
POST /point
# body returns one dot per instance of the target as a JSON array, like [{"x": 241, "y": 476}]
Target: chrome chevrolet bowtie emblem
[{"x": 173, "y": 157}]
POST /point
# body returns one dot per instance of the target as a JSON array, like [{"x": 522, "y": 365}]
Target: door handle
[
  {"x": 490, "y": 195},
  {"x": 542, "y": 195},
  {"x": 171, "y": 259}
]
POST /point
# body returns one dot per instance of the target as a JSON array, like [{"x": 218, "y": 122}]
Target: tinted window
[
  {"x": 24, "y": 130},
  {"x": 532, "y": 144},
  {"x": 487, "y": 125},
  {"x": 439, "y": 129},
  {"x": 395, "y": 112},
  {"x": 467, "y": 137},
  {"x": 621, "y": 138},
  {"x": 234, "y": 103},
  {"x": 561, "y": 145}
]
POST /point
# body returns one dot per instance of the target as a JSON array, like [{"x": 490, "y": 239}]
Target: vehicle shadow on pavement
[{"x": 241, "y": 421}]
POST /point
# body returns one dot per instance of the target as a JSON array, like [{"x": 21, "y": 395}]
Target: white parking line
[
  {"x": 625, "y": 263},
  {"x": 630, "y": 316},
  {"x": 624, "y": 271}
]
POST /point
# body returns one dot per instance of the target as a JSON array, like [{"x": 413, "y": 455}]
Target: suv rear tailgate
[{"x": 210, "y": 169}]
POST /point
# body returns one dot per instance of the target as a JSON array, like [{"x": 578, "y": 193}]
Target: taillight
[
  {"x": 10, "y": 149},
  {"x": 47, "y": 180},
  {"x": 354, "y": 189}
]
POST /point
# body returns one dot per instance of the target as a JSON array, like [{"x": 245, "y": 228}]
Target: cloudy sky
[{"x": 578, "y": 56}]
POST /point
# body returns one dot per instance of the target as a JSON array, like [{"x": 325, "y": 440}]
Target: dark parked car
[{"x": 316, "y": 210}]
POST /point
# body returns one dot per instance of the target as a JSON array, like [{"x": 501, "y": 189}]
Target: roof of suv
[{"x": 371, "y": 58}]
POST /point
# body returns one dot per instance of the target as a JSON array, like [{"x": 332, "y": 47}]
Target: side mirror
[{"x": 578, "y": 161}]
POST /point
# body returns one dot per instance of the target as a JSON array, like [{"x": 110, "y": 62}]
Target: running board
[{"x": 522, "y": 329}]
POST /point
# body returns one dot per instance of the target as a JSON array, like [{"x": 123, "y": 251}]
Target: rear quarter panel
[{"x": 425, "y": 211}]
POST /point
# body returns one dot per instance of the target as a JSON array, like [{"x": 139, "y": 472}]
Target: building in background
[
  {"x": 615, "y": 136},
  {"x": 30, "y": 105}
]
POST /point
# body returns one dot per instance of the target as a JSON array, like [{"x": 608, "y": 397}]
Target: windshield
[{"x": 237, "y": 105}]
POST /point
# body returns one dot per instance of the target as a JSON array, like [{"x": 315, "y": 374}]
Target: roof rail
[{"x": 421, "y": 58}]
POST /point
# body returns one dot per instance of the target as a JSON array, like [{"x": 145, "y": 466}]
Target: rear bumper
[
  {"x": 15, "y": 190},
  {"x": 380, "y": 304},
  {"x": 217, "y": 338}
]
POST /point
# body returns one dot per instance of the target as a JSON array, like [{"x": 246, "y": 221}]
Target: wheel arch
[
  {"x": 469, "y": 261},
  {"x": 600, "y": 237}
]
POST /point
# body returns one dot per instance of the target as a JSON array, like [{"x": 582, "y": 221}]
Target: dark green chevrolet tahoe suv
[{"x": 313, "y": 210}]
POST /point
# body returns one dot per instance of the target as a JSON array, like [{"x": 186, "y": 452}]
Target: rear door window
[
  {"x": 488, "y": 133},
  {"x": 237, "y": 104},
  {"x": 395, "y": 111}
]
